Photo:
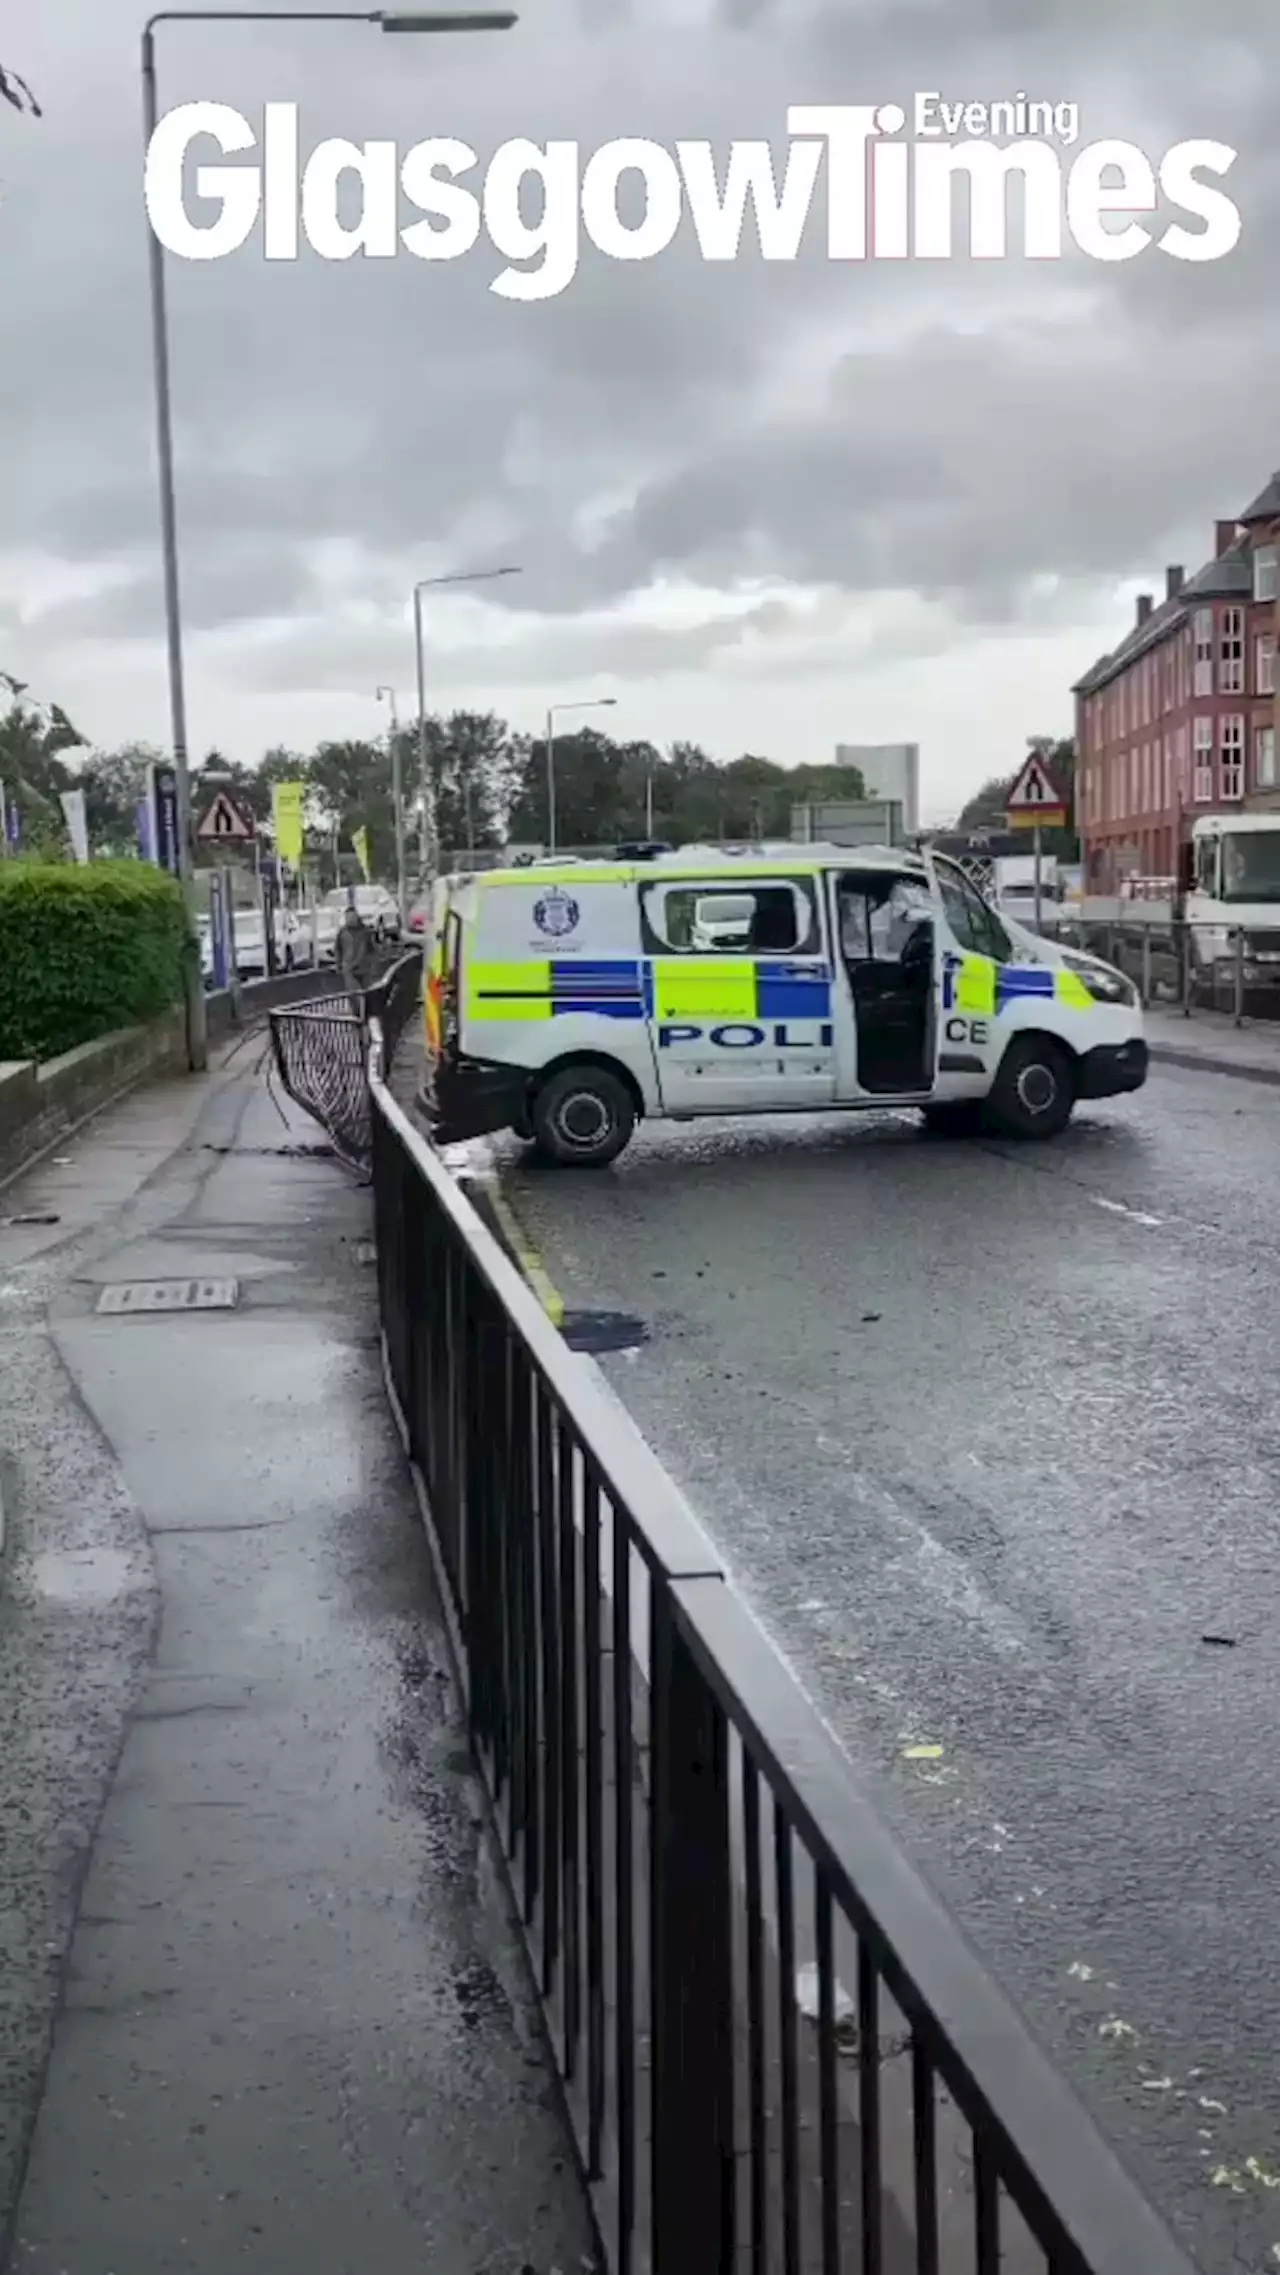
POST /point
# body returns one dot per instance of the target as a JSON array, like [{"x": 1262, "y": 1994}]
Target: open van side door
[
  {"x": 943, "y": 973},
  {"x": 971, "y": 945}
]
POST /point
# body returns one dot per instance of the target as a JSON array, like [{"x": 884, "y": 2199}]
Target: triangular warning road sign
[
  {"x": 1034, "y": 789},
  {"x": 224, "y": 820}
]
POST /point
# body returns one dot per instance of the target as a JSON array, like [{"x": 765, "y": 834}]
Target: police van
[{"x": 567, "y": 1001}]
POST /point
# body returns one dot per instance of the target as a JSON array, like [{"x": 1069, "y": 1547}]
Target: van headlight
[{"x": 1104, "y": 984}]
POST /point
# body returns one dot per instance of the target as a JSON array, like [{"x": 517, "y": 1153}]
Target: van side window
[
  {"x": 1207, "y": 866},
  {"x": 877, "y": 916},
  {"x": 975, "y": 926},
  {"x": 729, "y": 919}
]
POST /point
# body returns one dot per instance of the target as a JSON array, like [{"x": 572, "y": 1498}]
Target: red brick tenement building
[{"x": 1180, "y": 719}]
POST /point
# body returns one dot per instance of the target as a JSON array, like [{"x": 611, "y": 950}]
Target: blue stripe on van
[
  {"x": 599, "y": 1006},
  {"x": 780, "y": 997},
  {"x": 1013, "y": 981}
]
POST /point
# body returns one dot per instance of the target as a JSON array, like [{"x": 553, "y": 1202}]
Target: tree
[
  {"x": 114, "y": 783},
  {"x": 588, "y": 775},
  {"x": 986, "y": 808},
  {"x": 476, "y": 770},
  {"x": 33, "y": 738},
  {"x": 350, "y": 790}
]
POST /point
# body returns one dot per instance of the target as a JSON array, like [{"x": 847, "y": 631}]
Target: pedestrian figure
[{"x": 352, "y": 951}]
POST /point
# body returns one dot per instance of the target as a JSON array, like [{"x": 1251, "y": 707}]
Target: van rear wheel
[
  {"x": 582, "y": 1117},
  {"x": 1034, "y": 1091}
]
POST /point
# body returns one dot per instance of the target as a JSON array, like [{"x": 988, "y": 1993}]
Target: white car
[
  {"x": 374, "y": 904},
  {"x": 293, "y": 940}
]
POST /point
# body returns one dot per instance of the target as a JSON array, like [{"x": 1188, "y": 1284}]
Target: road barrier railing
[
  {"x": 321, "y": 1053},
  {"x": 1191, "y": 966},
  {"x": 778, "y": 2051}
]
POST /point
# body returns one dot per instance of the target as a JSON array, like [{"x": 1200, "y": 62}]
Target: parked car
[
  {"x": 293, "y": 936},
  {"x": 375, "y": 904}
]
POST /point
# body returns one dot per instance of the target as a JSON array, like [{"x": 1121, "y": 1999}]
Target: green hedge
[{"x": 84, "y": 950}]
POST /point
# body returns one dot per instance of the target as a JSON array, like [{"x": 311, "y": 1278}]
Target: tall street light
[
  {"x": 590, "y": 703},
  {"x": 382, "y": 20},
  {"x": 397, "y": 797},
  {"x": 428, "y": 850}
]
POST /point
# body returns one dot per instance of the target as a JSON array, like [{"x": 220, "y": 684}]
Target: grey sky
[{"x": 770, "y": 506}]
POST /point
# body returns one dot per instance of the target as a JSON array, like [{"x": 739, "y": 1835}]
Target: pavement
[
  {"x": 262, "y": 2001},
  {"x": 988, "y": 1436},
  {"x": 1210, "y": 1041}
]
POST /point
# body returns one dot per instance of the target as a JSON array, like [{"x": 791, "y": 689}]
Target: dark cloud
[{"x": 951, "y": 431}]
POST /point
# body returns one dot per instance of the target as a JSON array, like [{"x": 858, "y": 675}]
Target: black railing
[
  {"x": 321, "y": 1052},
  {"x": 687, "y": 1845}
]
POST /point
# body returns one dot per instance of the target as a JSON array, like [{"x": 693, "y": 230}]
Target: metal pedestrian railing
[
  {"x": 321, "y": 1057},
  {"x": 321, "y": 1053},
  {"x": 1188, "y": 965},
  {"x": 688, "y": 1847}
]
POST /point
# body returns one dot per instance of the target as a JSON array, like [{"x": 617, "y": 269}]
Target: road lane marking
[
  {"x": 1121, "y": 1208},
  {"x": 473, "y": 1162},
  {"x": 525, "y": 1254}
]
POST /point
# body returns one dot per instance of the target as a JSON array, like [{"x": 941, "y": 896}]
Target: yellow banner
[
  {"x": 360, "y": 840},
  {"x": 286, "y": 813}
]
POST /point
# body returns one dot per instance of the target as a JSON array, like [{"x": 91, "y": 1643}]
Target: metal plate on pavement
[{"x": 169, "y": 1295}]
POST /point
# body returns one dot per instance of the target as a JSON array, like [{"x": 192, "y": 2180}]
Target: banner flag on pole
[{"x": 287, "y": 816}]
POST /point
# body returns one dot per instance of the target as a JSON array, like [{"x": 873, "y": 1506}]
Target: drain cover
[
  {"x": 170, "y": 1295},
  {"x": 602, "y": 1331}
]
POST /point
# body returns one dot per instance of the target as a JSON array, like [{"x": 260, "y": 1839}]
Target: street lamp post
[
  {"x": 397, "y": 798},
  {"x": 590, "y": 703},
  {"x": 383, "y": 20},
  {"x": 428, "y": 850}
]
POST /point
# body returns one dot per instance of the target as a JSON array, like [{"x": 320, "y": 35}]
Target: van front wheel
[
  {"x": 582, "y": 1117},
  {"x": 1034, "y": 1091}
]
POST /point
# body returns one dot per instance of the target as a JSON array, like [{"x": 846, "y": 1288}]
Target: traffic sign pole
[{"x": 1035, "y": 847}]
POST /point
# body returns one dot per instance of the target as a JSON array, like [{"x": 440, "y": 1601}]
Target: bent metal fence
[
  {"x": 321, "y": 1052},
  {"x": 778, "y": 2052}
]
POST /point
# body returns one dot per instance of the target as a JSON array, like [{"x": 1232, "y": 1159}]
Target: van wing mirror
[{"x": 1187, "y": 868}]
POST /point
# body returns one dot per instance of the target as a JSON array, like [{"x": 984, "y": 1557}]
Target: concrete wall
[{"x": 40, "y": 1103}]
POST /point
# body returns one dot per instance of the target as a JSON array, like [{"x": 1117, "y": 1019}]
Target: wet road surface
[
  {"x": 990, "y": 1438},
  {"x": 294, "y": 2031}
]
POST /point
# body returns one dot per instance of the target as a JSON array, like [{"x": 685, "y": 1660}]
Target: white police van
[{"x": 568, "y": 1000}]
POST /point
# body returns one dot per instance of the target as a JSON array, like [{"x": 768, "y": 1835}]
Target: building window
[
  {"x": 1265, "y": 664},
  {"x": 1264, "y": 572},
  {"x": 1264, "y": 758},
  {"x": 1231, "y": 652},
  {"x": 1232, "y": 752},
  {"x": 1135, "y": 761},
  {"x": 1203, "y": 681},
  {"x": 1184, "y": 765},
  {"x": 1202, "y": 784}
]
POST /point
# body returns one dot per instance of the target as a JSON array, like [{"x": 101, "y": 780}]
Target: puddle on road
[{"x": 601, "y": 1332}]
